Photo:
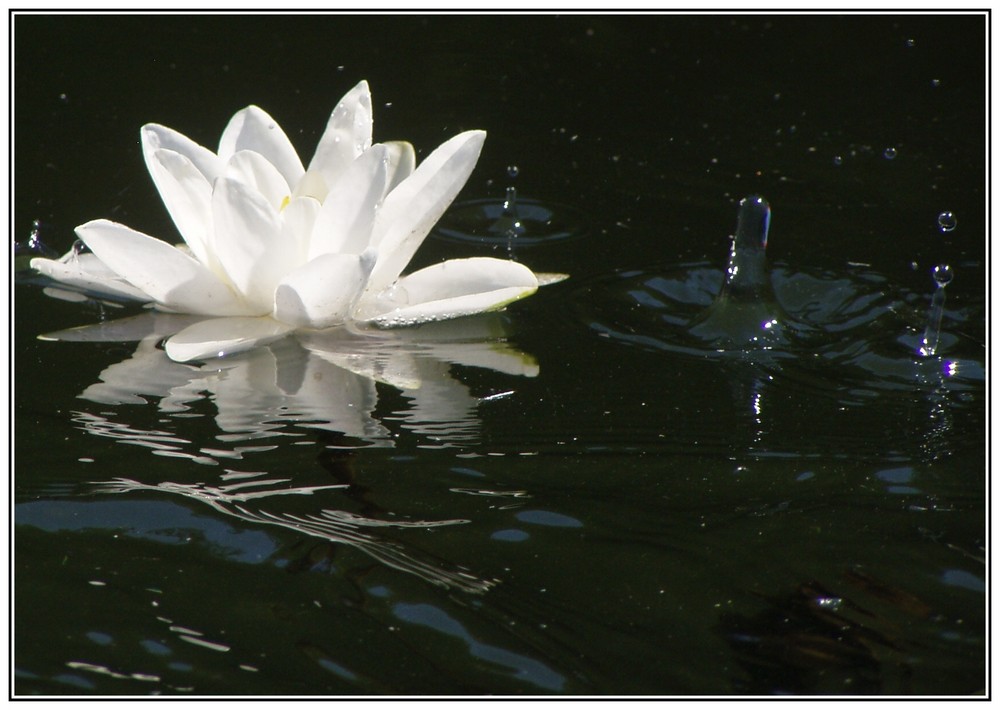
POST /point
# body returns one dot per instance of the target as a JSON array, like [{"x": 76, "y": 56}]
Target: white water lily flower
[{"x": 271, "y": 245}]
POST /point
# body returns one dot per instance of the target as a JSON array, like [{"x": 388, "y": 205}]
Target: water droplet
[
  {"x": 947, "y": 221},
  {"x": 889, "y": 153},
  {"x": 911, "y": 43},
  {"x": 510, "y": 201},
  {"x": 512, "y": 171},
  {"x": 942, "y": 275},
  {"x": 837, "y": 160},
  {"x": 935, "y": 83}
]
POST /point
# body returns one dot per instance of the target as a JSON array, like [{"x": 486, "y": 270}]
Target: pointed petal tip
[{"x": 547, "y": 279}]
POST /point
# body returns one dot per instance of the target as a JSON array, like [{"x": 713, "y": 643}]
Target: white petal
[
  {"x": 312, "y": 185},
  {"x": 254, "y": 170},
  {"x": 297, "y": 221},
  {"x": 417, "y": 203},
  {"x": 402, "y": 161},
  {"x": 169, "y": 275},
  {"x": 450, "y": 289},
  {"x": 218, "y": 337},
  {"x": 548, "y": 278},
  {"x": 344, "y": 223},
  {"x": 248, "y": 242},
  {"x": 187, "y": 194},
  {"x": 122, "y": 330},
  {"x": 253, "y": 129},
  {"x": 89, "y": 274},
  {"x": 154, "y": 137},
  {"x": 322, "y": 293},
  {"x": 348, "y": 133}
]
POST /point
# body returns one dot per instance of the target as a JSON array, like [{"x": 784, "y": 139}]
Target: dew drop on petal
[{"x": 947, "y": 221}]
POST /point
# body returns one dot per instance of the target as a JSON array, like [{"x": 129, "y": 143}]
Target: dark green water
[{"x": 578, "y": 498}]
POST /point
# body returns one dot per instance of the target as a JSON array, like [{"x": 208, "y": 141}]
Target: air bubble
[{"x": 946, "y": 221}]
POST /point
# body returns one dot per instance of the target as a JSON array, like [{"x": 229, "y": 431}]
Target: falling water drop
[
  {"x": 942, "y": 277},
  {"x": 889, "y": 153},
  {"x": 512, "y": 171},
  {"x": 946, "y": 221},
  {"x": 510, "y": 222},
  {"x": 838, "y": 160}
]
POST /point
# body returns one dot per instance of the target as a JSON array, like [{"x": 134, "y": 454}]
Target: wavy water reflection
[
  {"x": 352, "y": 389},
  {"x": 326, "y": 380},
  {"x": 243, "y": 500}
]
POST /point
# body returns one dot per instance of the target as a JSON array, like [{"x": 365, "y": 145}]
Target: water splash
[
  {"x": 847, "y": 332},
  {"x": 32, "y": 246},
  {"x": 745, "y": 313},
  {"x": 943, "y": 275},
  {"x": 510, "y": 221},
  {"x": 514, "y": 221}
]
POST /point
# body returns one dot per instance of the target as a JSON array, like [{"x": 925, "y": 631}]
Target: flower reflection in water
[
  {"x": 320, "y": 380},
  {"x": 325, "y": 381}
]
